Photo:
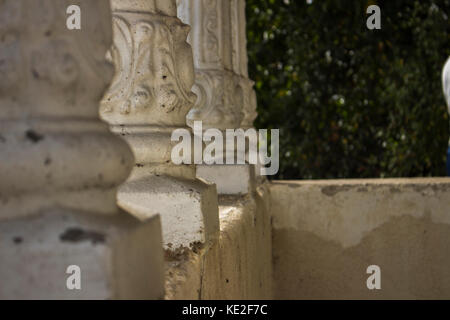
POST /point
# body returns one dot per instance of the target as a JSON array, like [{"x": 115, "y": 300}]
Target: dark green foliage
[{"x": 352, "y": 102}]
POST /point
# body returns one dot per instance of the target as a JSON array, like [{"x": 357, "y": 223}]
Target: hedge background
[{"x": 352, "y": 102}]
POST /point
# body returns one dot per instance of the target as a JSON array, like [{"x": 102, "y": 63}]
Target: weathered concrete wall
[
  {"x": 236, "y": 266},
  {"x": 326, "y": 234}
]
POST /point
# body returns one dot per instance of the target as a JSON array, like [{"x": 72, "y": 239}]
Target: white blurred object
[
  {"x": 446, "y": 87},
  {"x": 446, "y": 82}
]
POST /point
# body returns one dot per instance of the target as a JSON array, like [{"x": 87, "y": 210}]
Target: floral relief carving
[
  {"x": 226, "y": 98},
  {"x": 219, "y": 100},
  {"x": 250, "y": 103},
  {"x": 147, "y": 53},
  {"x": 211, "y": 44}
]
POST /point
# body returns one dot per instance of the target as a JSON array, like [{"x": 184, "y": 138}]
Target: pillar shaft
[
  {"x": 149, "y": 98},
  {"x": 60, "y": 166},
  {"x": 55, "y": 149},
  {"x": 225, "y": 95}
]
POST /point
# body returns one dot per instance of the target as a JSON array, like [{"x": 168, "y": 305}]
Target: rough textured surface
[
  {"x": 229, "y": 179},
  {"x": 188, "y": 208},
  {"x": 119, "y": 257},
  {"x": 54, "y": 148},
  {"x": 326, "y": 233},
  {"x": 238, "y": 265}
]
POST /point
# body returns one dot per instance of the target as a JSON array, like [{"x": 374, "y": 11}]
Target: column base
[
  {"x": 188, "y": 208},
  {"x": 229, "y": 179}
]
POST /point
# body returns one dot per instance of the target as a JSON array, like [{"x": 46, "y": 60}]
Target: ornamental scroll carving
[{"x": 225, "y": 95}]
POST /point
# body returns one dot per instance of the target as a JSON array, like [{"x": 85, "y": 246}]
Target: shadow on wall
[{"x": 411, "y": 253}]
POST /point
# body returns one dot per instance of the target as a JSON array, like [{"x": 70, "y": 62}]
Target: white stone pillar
[
  {"x": 148, "y": 99},
  {"x": 60, "y": 165},
  {"x": 225, "y": 95}
]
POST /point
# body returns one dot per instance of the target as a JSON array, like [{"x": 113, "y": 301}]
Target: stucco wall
[{"x": 326, "y": 234}]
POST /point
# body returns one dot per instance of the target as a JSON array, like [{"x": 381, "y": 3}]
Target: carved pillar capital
[
  {"x": 156, "y": 75},
  {"x": 225, "y": 94}
]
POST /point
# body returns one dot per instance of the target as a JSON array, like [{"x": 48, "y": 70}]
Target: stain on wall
[{"x": 405, "y": 233}]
